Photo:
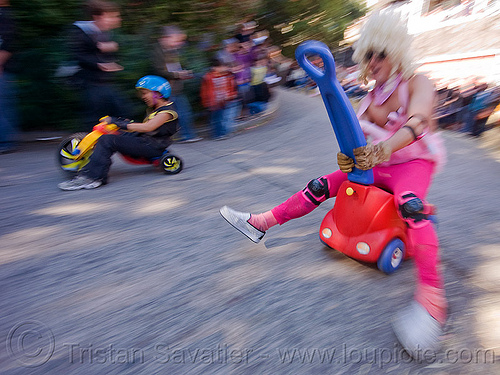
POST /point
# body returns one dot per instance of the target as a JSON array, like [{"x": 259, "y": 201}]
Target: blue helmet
[{"x": 155, "y": 83}]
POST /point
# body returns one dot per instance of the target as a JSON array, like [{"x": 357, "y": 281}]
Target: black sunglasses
[{"x": 378, "y": 56}]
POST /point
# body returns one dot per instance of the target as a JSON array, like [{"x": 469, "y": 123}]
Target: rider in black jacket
[{"x": 95, "y": 52}]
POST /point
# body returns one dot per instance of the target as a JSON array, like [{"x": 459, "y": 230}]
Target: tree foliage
[{"x": 292, "y": 22}]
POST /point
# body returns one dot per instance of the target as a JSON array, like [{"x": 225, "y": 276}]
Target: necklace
[{"x": 381, "y": 93}]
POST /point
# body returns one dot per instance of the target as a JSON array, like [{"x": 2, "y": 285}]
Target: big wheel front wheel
[
  {"x": 392, "y": 256},
  {"x": 65, "y": 158}
]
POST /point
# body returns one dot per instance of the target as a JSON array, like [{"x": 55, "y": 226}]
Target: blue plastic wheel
[{"x": 392, "y": 256}]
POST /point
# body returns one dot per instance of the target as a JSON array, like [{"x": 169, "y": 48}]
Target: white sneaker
[
  {"x": 239, "y": 220},
  {"x": 190, "y": 140},
  {"x": 270, "y": 80},
  {"x": 79, "y": 182},
  {"x": 417, "y": 330}
]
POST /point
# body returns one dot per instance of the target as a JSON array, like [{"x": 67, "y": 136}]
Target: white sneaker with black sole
[
  {"x": 79, "y": 182},
  {"x": 239, "y": 220}
]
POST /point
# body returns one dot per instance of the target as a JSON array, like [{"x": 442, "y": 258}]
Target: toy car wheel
[
  {"x": 392, "y": 256},
  {"x": 171, "y": 164},
  {"x": 65, "y": 158}
]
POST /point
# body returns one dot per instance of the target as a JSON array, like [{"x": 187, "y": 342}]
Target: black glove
[{"x": 121, "y": 122}]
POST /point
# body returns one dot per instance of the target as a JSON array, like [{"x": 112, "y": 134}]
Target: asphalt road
[{"x": 143, "y": 276}]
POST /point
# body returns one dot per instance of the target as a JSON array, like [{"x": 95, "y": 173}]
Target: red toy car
[{"x": 364, "y": 225}]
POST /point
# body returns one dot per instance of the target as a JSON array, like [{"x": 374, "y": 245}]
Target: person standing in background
[
  {"x": 218, "y": 91},
  {"x": 8, "y": 115},
  {"x": 227, "y": 56},
  {"x": 244, "y": 60},
  {"x": 95, "y": 51},
  {"x": 166, "y": 63},
  {"x": 259, "y": 88}
]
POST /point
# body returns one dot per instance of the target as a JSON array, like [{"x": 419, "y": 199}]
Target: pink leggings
[{"x": 414, "y": 176}]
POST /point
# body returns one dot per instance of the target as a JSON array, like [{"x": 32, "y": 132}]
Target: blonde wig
[{"x": 385, "y": 32}]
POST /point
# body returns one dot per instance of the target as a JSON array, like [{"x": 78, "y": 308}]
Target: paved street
[{"x": 143, "y": 276}]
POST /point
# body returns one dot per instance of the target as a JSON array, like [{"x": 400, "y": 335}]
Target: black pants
[
  {"x": 479, "y": 127},
  {"x": 102, "y": 99},
  {"x": 129, "y": 144}
]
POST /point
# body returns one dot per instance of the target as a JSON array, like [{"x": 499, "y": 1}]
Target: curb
[{"x": 41, "y": 136}]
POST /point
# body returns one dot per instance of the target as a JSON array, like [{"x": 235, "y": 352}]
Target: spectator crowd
[
  {"x": 236, "y": 85},
  {"x": 470, "y": 106},
  {"x": 244, "y": 65}
]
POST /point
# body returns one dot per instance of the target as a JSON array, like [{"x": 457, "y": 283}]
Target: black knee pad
[
  {"x": 317, "y": 190},
  {"x": 413, "y": 210}
]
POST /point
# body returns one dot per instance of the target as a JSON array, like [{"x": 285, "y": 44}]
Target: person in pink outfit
[{"x": 404, "y": 152}]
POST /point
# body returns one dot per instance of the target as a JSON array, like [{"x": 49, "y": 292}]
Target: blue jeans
[
  {"x": 469, "y": 119},
  {"x": 217, "y": 122},
  {"x": 185, "y": 116},
  {"x": 233, "y": 109},
  {"x": 8, "y": 112}
]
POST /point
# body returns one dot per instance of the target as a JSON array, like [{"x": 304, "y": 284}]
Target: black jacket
[{"x": 83, "y": 40}]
